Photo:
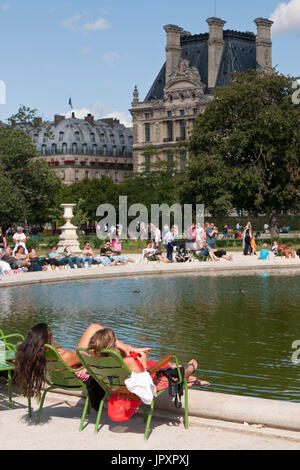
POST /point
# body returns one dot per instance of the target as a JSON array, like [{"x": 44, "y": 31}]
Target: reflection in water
[{"x": 240, "y": 329}]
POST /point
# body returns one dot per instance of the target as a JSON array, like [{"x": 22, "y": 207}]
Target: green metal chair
[
  {"x": 7, "y": 351},
  {"x": 110, "y": 372},
  {"x": 60, "y": 375},
  {"x": 7, "y": 364}
]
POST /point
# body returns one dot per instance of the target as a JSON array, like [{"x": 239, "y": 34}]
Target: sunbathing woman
[
  {"x": 30, "y": 361},
  {"x": 106, "y": 339}
]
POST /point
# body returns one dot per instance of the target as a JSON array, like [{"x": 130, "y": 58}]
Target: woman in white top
[{"x": 20, "y": 240}]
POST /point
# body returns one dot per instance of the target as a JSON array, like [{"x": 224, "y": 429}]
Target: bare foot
[{"x": 197, "y": 382}]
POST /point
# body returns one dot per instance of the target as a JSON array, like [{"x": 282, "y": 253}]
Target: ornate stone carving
[{"x": 184, "y": 72}]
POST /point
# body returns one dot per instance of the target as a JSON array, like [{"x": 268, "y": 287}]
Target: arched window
[
  {"x": 43, "y": 150},
  {"x": 92, "y": 137},
  {"x": 77, "y": 136}
]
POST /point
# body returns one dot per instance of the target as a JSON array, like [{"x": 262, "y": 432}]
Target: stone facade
[
  {"x": 79, "y": 149},
  {"x": 195, "y": 65}
]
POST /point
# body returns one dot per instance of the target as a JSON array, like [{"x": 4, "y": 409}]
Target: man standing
[
  {"x": 169, "y": 242},
  {"x": 211, "y": 235}
]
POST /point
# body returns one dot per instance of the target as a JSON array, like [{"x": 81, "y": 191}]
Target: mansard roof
[{"x": 239, "y": 55}]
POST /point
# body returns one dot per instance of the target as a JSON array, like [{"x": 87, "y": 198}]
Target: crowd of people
[{"x": 161, "y": 245}]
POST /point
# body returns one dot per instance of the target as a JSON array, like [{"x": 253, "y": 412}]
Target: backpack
[{"x": 175, "y": 389}]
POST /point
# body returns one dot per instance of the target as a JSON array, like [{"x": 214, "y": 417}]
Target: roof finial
[{"x": 135, "y": 96}]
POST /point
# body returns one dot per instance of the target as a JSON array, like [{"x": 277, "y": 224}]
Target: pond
[{"x": 240, "y": 328}]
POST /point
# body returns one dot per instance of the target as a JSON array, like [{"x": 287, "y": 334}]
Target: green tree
[
  {"x": 28, "y": 186},
  {"x": 245, "y": 148}
]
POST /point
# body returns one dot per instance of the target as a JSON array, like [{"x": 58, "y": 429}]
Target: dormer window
[
  {"x": 112, "y": 138},
  {"x": 77, "y": 136},
  {"x": 92, "y": 137},
  {"x": 35, "y": 138},
  {"x": 61, "y": 136}
]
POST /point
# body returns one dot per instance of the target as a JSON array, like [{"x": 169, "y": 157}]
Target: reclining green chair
[
  {"x": 7, "y": 355},
  {"x": 110, "y": 372},
  {"x": 60, "y": 375}
]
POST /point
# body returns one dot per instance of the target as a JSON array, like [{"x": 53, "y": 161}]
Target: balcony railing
[{"x": 69, "y": 151}]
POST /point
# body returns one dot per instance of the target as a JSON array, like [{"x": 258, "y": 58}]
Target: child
[
  {"x": 253, "y": 246},
  {"x": 264, "y": 254}
]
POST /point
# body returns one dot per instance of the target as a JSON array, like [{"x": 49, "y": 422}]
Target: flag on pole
[{"x": 70, "y": 102}]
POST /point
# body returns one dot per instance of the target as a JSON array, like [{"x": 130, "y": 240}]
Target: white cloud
[
  {"x": 286, "y": 17},
  {"x": 99, "y": 25},
  {"x": 124, "y": 118},
  {"x": 69, "y": 23},
  {"x": 72, "y": 24},
  {"x": 99, "y": 111},
  {"x": 111, "y": 56}
]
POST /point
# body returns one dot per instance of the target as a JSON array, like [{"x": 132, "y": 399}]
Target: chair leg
[
  {"x": 149, "y": 420},
  {"x": 9, "y": 390},
  {"x": 99, "y": 415},
  {"x": 29, "y": 407},
  {"x": 85, "y": 409},
  {"x": 42, "y": 404},
  {"x": 186, "y": 405}
]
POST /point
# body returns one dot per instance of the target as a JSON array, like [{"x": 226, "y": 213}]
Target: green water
[{"x": 241, "y": 340}]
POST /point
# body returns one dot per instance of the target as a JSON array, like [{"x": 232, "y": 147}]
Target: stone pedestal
[{"x": 68, "y": 235}]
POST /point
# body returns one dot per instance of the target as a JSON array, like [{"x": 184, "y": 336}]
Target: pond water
[{"x": 240, "y": 329}]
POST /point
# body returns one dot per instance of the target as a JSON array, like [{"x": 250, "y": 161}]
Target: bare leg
[{"x": 191, "y": 379}]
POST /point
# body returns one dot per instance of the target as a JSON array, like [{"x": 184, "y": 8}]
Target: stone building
[
  {"x": 195, "y": 65},
  {"x": 86, "y": 148}
]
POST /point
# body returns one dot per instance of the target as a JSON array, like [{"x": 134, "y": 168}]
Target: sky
[{"x": 96, "y": 51}]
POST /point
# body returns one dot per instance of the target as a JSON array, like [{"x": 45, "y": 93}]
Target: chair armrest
[{"x": 160, "y": 364}]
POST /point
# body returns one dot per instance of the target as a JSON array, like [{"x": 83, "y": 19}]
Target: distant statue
[{"x": 273, "y": 225}]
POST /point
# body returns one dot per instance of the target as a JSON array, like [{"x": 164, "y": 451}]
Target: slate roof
[{"x": 239, "y": 55}]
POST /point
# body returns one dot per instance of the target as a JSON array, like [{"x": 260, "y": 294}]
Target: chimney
[
  {"x": 215, "y": 49},
  {"x": 73, "y": 115},
  {"x": 90, "y": 119},
  {"x": 58, "y": 119},
  {"x": 173, "y": 48},
  {"x": 37, "y": 122},
  {"x": 264, "y": 44},
  {"x": 111, "y": 121}
]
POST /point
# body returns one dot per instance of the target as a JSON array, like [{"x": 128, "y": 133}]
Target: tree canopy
[
  {"x": 28, "y": 188},
  {"x": 245, "y": 148}
]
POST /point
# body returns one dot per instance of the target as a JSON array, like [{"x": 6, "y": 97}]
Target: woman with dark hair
[
  {"x": 22, "y": 258},
  {"x": 30, "y": 362}
]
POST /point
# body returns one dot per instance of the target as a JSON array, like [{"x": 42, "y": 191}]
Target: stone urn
[{"x": 68, "y": 235}]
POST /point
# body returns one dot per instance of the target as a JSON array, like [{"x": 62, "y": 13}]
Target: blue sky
[{"x": 98, "y": 50}]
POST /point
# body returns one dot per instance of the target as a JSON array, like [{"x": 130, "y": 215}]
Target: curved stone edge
[
  {"x": 144, "y": 273},
  {"x": 231, "y": 408}
]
